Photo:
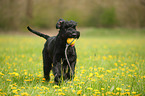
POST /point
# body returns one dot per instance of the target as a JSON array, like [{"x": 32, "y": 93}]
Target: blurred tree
[
  {"x": 142, "y": 2},
  {"x": 29, "y": 9},
  {"x": 16, "y": 14}
]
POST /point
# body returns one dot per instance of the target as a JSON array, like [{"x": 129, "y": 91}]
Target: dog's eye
[{"x": 74, "y": 27}]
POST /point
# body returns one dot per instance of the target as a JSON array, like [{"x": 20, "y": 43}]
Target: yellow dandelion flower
[
  {"x": 1, "y": 73},
  {"x": 73, "y": 91},
  {"x": 129, "y": 86},
  {"x": 84, "y": 95},
  {"x": 16, "y": 74},
  {"x": 69, "y": 82},
  {"x": 14, "y": 91},
  {"x": 55, "y": 86},
  {"x": 24, "y": 94},
  {"x": 28, "y": 80},
  {"x": 51, "y": 81},
  {"x": 104, "y": 57},
  {"x": 133, "y": 92},
  {"x": 25, "y": 73},
  {"x": 82, "y": 82},
  {"x": 8, "y": 79},
  {"x": 89, "y": 88},
  {"x": 91, "y": 68},
  {"x": 82, "y": 67},
  {"x": 30, "y": 59},
  {"x": 115, "y": 64},
  {"x": 102, "y": 88},
  {"x": 122, "y": 64},
  {"x": 79, "y": 92},
  {"x": 43, "y": 79},
  {"x": 22, "y": 87},
  {"x": 95, "y": 90},
  {"x": 91, "y": 74},
  {"x": 13, "y": 88},
  {"x": 119, "y": 60},
  {"x": 14, "y": 84},
  {"x": 128, "y": 93},
  {"x": 109, "y": 71},
  {"x": 118, "y": 89},
  {"x": 59, "y": 90},
  {"x": 61, "y": 93},
  {"x": 108, "y": 93}
]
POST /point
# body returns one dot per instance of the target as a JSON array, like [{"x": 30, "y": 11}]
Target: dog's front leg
[
  {"x": 57, "y": 70},
  {"x": 71, "y": 71}
]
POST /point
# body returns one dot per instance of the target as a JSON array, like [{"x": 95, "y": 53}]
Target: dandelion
[
  {"x": 91, "y": 68},
  {"x": 73, "y": 91},
  {"x": 13, "y": 88},
  {"x": 24, "y": 94},
  {"x": 95, "y": 90},
  {"x": 98, "y": 92},
  {"x": 102, "y": 88},
  {"x": 79, "y": 92},
  {"x": 8, "y": 79},
  {"x": 14, "y": 91},
  {"x": 118, "y": 89},
  {"x": 128, "y": 93},
  {"x": 89, "y": 88},
  {"x": 28, "y": 80},
  {"x": 55, "y": 86},
  {"x": 51, "y": 81},
  {"x": 25, "y": 73},
  {"x": 16, "y": 74},
  {"x": 30, "y": 59},
  {"x": 43, "y": 79},
  {"x": 133, "y": 93},
  {"x": 91, "y": 74},
  {"x": 59, "y": 90},
  {"x": 109, "y": 71},
  {"x": 108, "y": 93},
  {"x": 115, "y": 64},
  {"x": 60, "y": 93},
  {"x": 82, "y": 82},
  {"x": 1, "y": 73},
  {"x": 104, "y": 57},
  {"x": 22, "y": 87},
  {"x": 122, "y": 84},
  {"x": 122, "y": 64}
]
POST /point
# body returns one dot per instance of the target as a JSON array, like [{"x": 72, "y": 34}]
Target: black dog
[{"x": 54, "y": 51}]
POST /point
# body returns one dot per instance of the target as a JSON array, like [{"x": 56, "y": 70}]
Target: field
[{"x": 110, "y": 62}]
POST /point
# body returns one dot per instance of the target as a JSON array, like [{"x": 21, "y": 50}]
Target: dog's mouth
[{"x": 74, "y": 35}]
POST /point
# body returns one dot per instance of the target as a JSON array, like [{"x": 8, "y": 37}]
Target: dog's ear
[{"x": 58, "y": 24}]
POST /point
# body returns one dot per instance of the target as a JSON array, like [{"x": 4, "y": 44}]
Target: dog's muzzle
[{"x": 75, "y": 34}]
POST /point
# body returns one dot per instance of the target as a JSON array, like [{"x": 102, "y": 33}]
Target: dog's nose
[{"x": 74, "y": 34}]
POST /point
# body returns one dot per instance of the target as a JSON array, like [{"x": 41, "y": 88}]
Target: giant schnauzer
[{"x": 54, "y": 51}]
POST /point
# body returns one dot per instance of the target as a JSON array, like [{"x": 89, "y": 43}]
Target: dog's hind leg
[{"x": 47, "y": 65}]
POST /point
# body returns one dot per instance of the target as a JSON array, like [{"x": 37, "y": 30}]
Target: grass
[{"x": 112, "y": 65}]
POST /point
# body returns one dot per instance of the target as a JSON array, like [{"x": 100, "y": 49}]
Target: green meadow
[{"x": 110, "y": 62}]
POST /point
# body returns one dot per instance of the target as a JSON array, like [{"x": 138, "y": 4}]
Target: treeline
[{"x": 15, "y": 14}]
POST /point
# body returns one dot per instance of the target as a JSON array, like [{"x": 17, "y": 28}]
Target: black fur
[{"x": 54, "y": 51}]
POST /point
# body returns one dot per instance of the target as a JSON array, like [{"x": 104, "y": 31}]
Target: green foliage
[
  {"x": 41, "y": 22},
  {"x": 116, "y": 32},
  {"x": 17, "y": 14},
  {"x": 103, "y": 17},
  {"x": 105, "y": 66}
]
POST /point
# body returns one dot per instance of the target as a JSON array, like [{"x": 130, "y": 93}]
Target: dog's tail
[{"x": 38, "y": 33}]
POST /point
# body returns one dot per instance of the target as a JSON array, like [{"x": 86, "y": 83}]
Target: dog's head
[{"x": 67, "y": 29}]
